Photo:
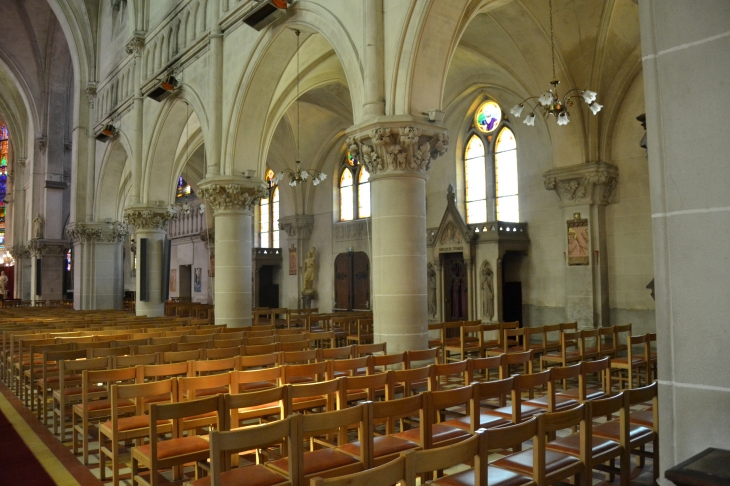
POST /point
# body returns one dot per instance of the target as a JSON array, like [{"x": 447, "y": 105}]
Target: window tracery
[
  {"x": 269, "y": 215},
  {"x": 354, "y": 190}
]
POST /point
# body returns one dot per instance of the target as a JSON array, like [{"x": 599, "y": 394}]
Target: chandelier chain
[
  {"x": 297, "y": 32},
  {"x": 552, "y": 38}
]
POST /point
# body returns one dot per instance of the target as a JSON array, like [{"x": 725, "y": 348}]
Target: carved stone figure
[
  {"x": 309, "y": 271},
  {"x": 3, "y": 284},
  {"x": 38, "y": 226},
  {"x": 432, "y": 307},
  {"x": 487, "y": 290}
]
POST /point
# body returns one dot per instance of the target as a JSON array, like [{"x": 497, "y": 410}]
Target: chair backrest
[
  {"x": 202, "y": 346},
  {"x": 154, "y": 348},
  {"x": 421, "y": 358},
  {"x": 315, "y": 371},
  {"x": 301, "y": 345},
  {"x": 363, "y": 349},
  {"x": 165, "y": 370},
  {"x": 315, "y": 393},
  {"x": 232, "y": 403},
  {"x": 589, "y": 347},
  {"x": 552, "y": 336},
  {"x": 445, "y": 399},
  {"x": 621, "y": 337},
  {"x": 97, "y": 352},
  {"x": 298, "y": 357},
  {"x": 511, "y": 436},
  {"x": 371, "y": 384},
  {"x": 225, "y": 443},
  {"x": 388, "y": 474},
  {"x": 471, "y": 450},
  {"x": 259, "y": 349},
  {"x": 384, "y": 362},
  {"x": 483, "y": 366},
  {"x": 211, "y": 366},
  {"x": 523, "y": 359},
  {"x": 257, "y": 379},
  {"x": 292, "y": 338},
  {"x": 570, "y": 341},
  {"x": 180, "y": 356},
  {"x": 497, "y": 389},
  {"x": 225, "y": 335},
  {"x": 167, "y": 339},
  {"x": 221, "y": 353},
  {"x": 458, "y": 370},
  {"x": 512, "y": 337},
  {"x": 179, "y": 410},
  {"x": 191, "y": 387},
  {"x": 257, "y": 341},
  {"x": 349, "y": 367},
  {"x": 343, "y": 352},
  {"x": 560, "y": 374},
  {"x": 139, "y": 392},
  {"x": 637, "y": 346},
  {"x": 259, "y": 361},
  {"x": 134, "y": 360},
  {"x": 407, "y": 378}
]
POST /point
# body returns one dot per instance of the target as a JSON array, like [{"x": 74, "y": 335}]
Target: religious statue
[
  {"x": 487, "y": 290},
  {"x": 38, "y": 226},
  {"x": 3, "y": 284},
  {"x": 432, "y": 307},
  {"x": 308, "y": 271}
]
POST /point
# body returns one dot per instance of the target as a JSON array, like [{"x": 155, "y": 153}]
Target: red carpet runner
[{"x": 18, "y": 465}]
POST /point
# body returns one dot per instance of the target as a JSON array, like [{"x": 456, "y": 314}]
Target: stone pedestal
[
  {"x": 150, "y": 223},
  {"x": 398, "y": 153},
  {"x": 584, "y": 192},
  {"x": 232, "y": 199}
]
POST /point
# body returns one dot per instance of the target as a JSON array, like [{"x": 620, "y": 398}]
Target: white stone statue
[
  {"x": 38, "y": 226},
  {"x": 432, "y": 305},
  {"x": 309, "y": 269},
  {"x": 3, "y": 284},
  {"x": 487, "y": 290}
]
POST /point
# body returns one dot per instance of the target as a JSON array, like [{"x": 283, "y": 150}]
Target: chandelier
[
  {"x": 550, "y": 103},
  {"x": 299, "y": 175}
]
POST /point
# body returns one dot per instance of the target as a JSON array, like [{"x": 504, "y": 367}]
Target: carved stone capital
[
  {"x": 578, "y": 185},
  {"x": 90, "y": 91},
  {"x": 358, "y": 229},
  {"x": 299, "y": 225},
  {"x": 231, "y": 193},
  {"x": 118, "y": 232},
  {"x": 36, "y": 247},
  {"x": 142, "y": 217},
  {"x": 82, "y": 233},
  {"x": 19, "y": 252},
  {"x": 135, "y": 44},
  {"x": 42, "y": 142},
  {"x": 397, "y": 146}
]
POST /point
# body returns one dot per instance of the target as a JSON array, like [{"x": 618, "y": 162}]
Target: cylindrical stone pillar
[
  {"x": 233, "y": 243},
  {"x": 232, "y": 199},
  {"x": 400, "y": 305}
]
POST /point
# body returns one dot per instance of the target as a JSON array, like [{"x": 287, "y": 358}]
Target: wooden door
[
  {"x": 456, "y": 291},
  {"x": 352, "y": 281}
]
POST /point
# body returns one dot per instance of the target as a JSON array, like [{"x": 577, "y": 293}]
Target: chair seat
[
  {"x": 591, "y": 393},
  {"x": 571, "y": 445},
  {"x": 624, "y": 360},
  {"x": 103, "y": 405},
  {"x": 521, "y": 462},
  {"x": 210, "y": 391},
  {"x": 255, "y": 475},
  {"x": 558, "y": 356},
  {"x": 526, "y": 411},
  {"x": 486, "y": 420},
  {"x": 56, "y": 379},
  {"x": 561, "y": 403},
  {"x": 612, "y": 430},
  {"x": 497, "y": 477},
  {"x": 255, "y": 385},
  {"x": 383, "y": 445},
  {"x": 358, "y": 372},
  {"x": 318, "y": 461},
  {"x": 439, "y": 433},
  {"x": 176, "y": 447},
  {"x": 294, "y": 380},
  {"x": 644, "y": 417},
  {"x": 76, "y": 390},
  {"x": 136, "y": 422}
]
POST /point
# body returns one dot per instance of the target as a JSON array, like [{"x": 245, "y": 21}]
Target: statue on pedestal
[
  {"x": 3, "y": 285},
  {"x": 487, "y": 290},
  {"x": 38, "y": 227},
  {"x": 309, "y": 270}
]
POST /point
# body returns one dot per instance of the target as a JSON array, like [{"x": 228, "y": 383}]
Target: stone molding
[
  {"x": 113, "y": 232},
  {"x": 231, "y": 194},
  {"x": 299, "y": 225},
  {"x": 90, "y": 91},
  {"x": 357, "y": 229},
  {"x": 36, "y": 247},
  {"x": 148, "y": 218},
  {"x": 42, "y": 142},
  {"x": 583, "y": 184},
  {"x": 81, "y": 233},
  {"x": 19, "y": 252},
  {"x": 397, "y": 147}
]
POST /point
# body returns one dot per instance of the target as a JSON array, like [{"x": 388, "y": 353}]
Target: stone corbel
[
  {"x": 18, "y": 252},
  {"x": 394, "y": 147},
  {"x": 36, "y": 247},
  {"x": 231, "y": 193},
  {"x": 90, "y": 91},
  {"x": 81, "y": 233},
  {"x": 299, "y": 225},
  {"x": 583, "y": 184},
  {"x": 143, "y": 217},
  {"x": 113, "y": 232},
  {"x": 135, "y": 44},
  {"x": 42, "y": 144},
  {"x": 207, "y": 236}
]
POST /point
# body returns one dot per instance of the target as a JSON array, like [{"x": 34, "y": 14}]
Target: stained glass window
[
  {"x": 183, "y": 188},
  {"x": 347, "y": 196},
  {"x": 269, "y": 215},
  {"x": 482, "y": 156},
  {"x": 488, "y": 116},
  {"x": 505, "y": 176},
  {"x": 4, "y": 141},
  {"x": 68, "y": 260}
]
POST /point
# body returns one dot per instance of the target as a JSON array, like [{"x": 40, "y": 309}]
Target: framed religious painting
[{"x": 578, "y": 242}]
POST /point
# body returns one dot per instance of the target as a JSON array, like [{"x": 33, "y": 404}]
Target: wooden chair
[
  {"x": 436, "y": 335},
  {"x": 301, "y": 345},
  {"x": 606, "y": 342},
  {"x": 254, "y": 361},
  {"x": 95, "y": 405},
  {"x": 298, "y": 357},
  {"x": 471, "y": 340},
  {"x": 411, "y": 381},
  {"x": 348, "y": 367},
  {"x": 363, "y": 332},
  {"x": 621, "y": 338},
  {"x": 31, "y": 374},
  {"x": 569, "y": 351},
  {"x": 458, "y": 372},
  {"x": 343, "y": 352},
  {"x": 600, "y": 371},
  {"x": 480, "y": 368},
  {"x": 213, "y": 366},
  {"x": 364, "y": 349},
  {"x": 257, "y": 341},
  {"x": 637, "y": 357},
  {"x": 552, "y": 401},
  {"x": 383, "y": 362},
  {"x": 255, "y": 350},
  {"x": 225, "y": 443},
  {"x": 181, "y": 356},
  {"x": 523, "y": 361},
  {"x": 191, "y": 388},
  {"x": 518, "y": 410},
  {"x": 354, "y": 389},
  {"x": 327, "y": 461},
  {"x": 444, "y": 430},
  {"x": 49, "y": 379},
  {"x": 388, "y": 474},
  {"x": 552, "y": 334},
  {"x": 134, "y": 360},
  {"x": 481, "y": 417},
  {"x": 222, "y": 352},
  {"x": 70, "y": 375},
  {"x": 548, "y": 466},
  {"x": 180, "y": 449},
  {"x": 135, "y": 427},
  {"x": 314, "y": 396},
  {"x": 590, "y": 344},
  {"x": 256, "y": 405}
]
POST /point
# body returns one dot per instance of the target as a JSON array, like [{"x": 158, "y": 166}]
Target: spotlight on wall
[
  {"x": 435, "y": 116},
  {"x": 163, "y": 89},
  {"x": 106, "y": 133},
  {"x": 266, "y": 13}
]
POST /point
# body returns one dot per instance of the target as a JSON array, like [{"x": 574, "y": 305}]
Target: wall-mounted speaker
[
  {"x": 106, "y": 133},
  {"x": 266, "y": 13},
  {"x": 163, "y": 89}
]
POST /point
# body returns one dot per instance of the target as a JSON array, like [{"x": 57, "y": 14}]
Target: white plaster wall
[{"x": 191, "y": 251}]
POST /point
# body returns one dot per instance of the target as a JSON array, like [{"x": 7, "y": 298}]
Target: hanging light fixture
[
  {"x": 549, "y": 103},
  {"x": 298, "y": 175}
]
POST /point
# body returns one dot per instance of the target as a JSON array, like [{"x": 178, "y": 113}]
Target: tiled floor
[{"x": 640, "y": 475}]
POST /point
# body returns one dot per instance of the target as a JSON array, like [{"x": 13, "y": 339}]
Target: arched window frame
[
  {"x": 489, "y": 141},
  {"x": 360, "y": 191},
  {"x": 268, "y": 215}
]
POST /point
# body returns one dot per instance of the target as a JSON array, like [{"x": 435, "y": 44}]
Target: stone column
[
  {"x": 97, "y": 264},
  {"x": 150, "y": 223},
  {"x": 35, "y": 247},
  {"x": 298, "y": 228},
  {"x": 135, "y": 47},
  {"x": 21, "y": 255},
  {"x": 232, "y": 199},
  {"x": 584, "y": 192},
  {"x": 398, "y": 154}
]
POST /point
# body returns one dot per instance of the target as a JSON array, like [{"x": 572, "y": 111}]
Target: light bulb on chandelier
[{"x": 550, "y": 103}]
